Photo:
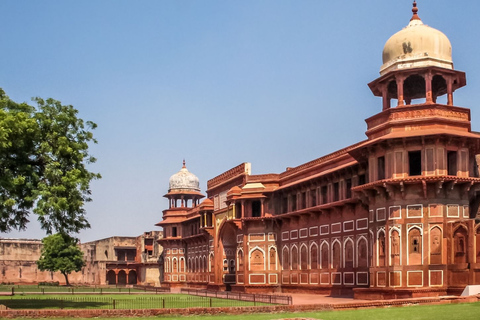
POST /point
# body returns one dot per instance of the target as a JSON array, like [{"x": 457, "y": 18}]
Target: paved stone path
[{"x": 303, "y": 298}]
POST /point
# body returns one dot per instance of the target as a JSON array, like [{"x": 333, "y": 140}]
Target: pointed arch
[
  {"x": 336, "y": 254},
  {"x": 395, "y": 247},
  {"x": 362, "y": 252},
  {"x": 182, "y": 265},
  {"x": 460, "y": 244},
  {"x": 415, "y": 246},
  {"x": 313, "y": 256},
  {"x": 381, "y": 247},
  {"x": 285, "y": 258},
  {"x": 324, "y": 255},
  {"x": 240, "y": 260},
  {"x": 303, "y": 257},
  {"x": 294, "y": 257},
  {"x": 256, "y": 259},
  {"x": 210, "y": 262},
  {"x": 272, "y": 258},
  {"x": 174, "y": 265},
  {"x": 436, "y": 245},
  {"x": 348, "y": 253}
]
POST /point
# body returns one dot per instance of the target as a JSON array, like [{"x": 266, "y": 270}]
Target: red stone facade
[{"x": 392, "y": 216}]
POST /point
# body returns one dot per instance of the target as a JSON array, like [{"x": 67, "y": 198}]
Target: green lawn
[
  {"x": 40, "y": 289},
  {"x": 115, "y": 301},
  {"x": 437, "y": 312}
]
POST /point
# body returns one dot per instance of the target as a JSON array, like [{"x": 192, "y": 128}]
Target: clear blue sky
[{"x": 274, "y": 83}]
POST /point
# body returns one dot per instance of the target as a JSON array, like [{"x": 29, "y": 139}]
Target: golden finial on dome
[
  {"x": 184, "y": 166},
  {"x": 415, "y": 11}
]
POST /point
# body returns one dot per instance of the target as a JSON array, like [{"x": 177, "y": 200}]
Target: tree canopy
[
  {"x": 60, "y": 252},
  {"x": 43, "y": 165}
]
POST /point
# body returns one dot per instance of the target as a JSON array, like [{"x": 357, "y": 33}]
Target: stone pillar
[
  {"x": 428, "y": 87},
  {"x": 400, "y": 80},
  {"x": 450, "y": 91},
  {"x": 385, "y": 98}
]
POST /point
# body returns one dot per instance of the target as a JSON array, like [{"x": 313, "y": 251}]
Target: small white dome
[{"x": 184, "y": 180}]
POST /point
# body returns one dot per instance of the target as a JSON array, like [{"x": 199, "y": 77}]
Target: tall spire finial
[
  {"x": 184, "y": 164},
  {"x": 415, "y": 11}
]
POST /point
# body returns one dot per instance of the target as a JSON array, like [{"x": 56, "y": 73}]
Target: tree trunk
[{"x": 66, "y": 279}]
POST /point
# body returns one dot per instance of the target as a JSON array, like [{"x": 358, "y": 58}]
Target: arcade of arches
[{"x": 396, "y": 212}]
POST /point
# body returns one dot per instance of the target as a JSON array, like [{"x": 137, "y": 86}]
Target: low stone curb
[{"x": 91, "y": 313}]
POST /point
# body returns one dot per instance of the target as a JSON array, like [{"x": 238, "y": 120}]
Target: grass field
[
  {"x": 106, "y": 301},
  {"x": 467, "y": 311}
]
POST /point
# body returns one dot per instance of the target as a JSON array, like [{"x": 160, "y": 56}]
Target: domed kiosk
[
  {"x": 417, "y": 64},
  {"x": 183, "y": 189}
]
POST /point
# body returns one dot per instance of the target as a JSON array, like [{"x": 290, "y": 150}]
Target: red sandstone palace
[{"x": 394, "y": 215}]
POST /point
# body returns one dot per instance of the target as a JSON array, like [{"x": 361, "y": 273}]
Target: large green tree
[
  {"x": 43, "y": 165},
  {"x": 60, "y": 252}
]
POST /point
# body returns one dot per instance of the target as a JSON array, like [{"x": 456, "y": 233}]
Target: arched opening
[
  {"x": 413, "y": 89},
  {"x": 415, "y": 242},
  {"x": 272, "y": 259},
  {"x": 392, "y": 93},
  {"x": 349, "y": 254},
  {"x": 228, "y": 244},
  {"x": 111, "y": 277},
  {"x": 381, "y": 249},
  {"x": 122, "y": 277},
  {"x": 460, "y": 245},
  {"x": 210, "y": 262},
  {"x": 362, "y": 261},
  {"x": 132, "y": 277},
  {"x": 324, "y": 255},
  {"x": 313, "y": 256},
  {"x": 436, "y": 246},
  {"x": 174, "y": 265},
  {"x": 182, "y": 264},
  {"x": 294, "y": 258},
  {"x": 257, "y": 260},
  {"x": 394, "y": 248},
  {"x": 439, "y": 89},
  {"x": 336, "y": 255},
  {"x": 285, "y": 259},
  {"x": 303, "y": 257}
]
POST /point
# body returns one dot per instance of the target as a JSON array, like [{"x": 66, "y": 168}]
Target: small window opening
[
  {"x": 452, "y": 163},
  {"x": 313, "y": 197},
  {"x": 256, "y": 209},
  {"x": 381, "y": 168},
  {"x": 362, "y": 180},
  {"x": 284, "y": 205},
  {"x": 415, "y": 163},
  {"x": 294, "y": 202},
  {"x": 349, "y": 188},
  {"x": 324, "y": 194},
  {"x": 174, "y": 231},
  {"x": 336, "y": 192}
]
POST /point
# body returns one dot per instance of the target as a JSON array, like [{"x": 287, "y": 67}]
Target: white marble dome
[
  {"x": 416, "y": 45},
  {"x": 184, "y": 180}
]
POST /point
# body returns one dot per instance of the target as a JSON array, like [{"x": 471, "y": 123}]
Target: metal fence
[
  {"x": 134, "y": 302},
  {"x": 81, "y": 290},
  {"x": 255, "y": 298}
]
